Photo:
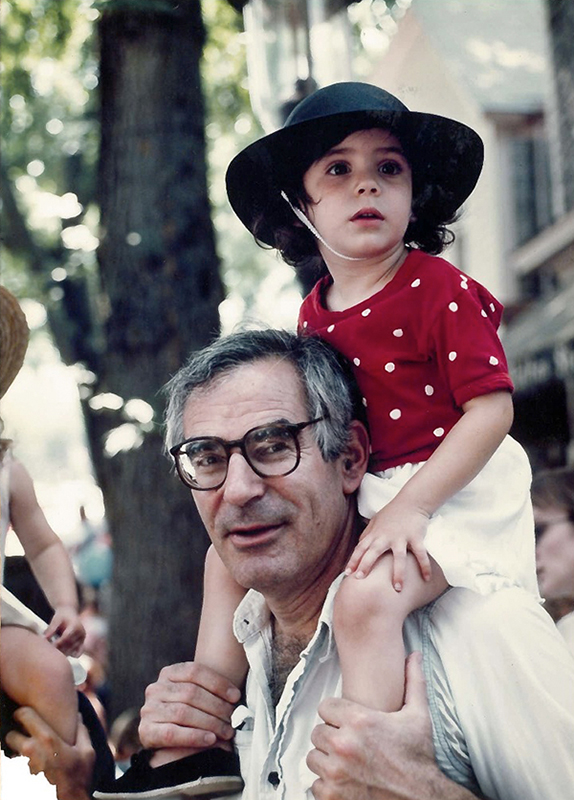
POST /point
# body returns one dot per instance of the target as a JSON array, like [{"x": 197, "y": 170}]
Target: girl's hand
[
  {"x": 398, "y": 529},
  {"x": 66, "y": 630}
]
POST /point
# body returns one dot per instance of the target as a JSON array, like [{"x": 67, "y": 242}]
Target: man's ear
[{"x": 355, "y": 457}]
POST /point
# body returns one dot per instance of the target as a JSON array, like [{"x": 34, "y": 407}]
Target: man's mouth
[{"x": 252, "y": 535}]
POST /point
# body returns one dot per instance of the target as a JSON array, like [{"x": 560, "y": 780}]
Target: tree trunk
[
  {"x": 159, "y": 301},
  {"x": 561, "y": 23}
]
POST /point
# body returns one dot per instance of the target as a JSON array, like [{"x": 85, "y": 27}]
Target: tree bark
[{"x": 160, "y": 291}]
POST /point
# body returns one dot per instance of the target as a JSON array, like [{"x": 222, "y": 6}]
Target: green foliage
[
  {"x": 231, "y": 126},
  {"x": 140, "y": 6},
  {"x": 49, "y": 138}
]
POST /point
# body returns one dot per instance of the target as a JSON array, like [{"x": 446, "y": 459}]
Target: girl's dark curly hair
[{"x": 428, "y": 231}]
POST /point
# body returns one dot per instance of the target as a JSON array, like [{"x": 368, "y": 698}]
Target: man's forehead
[{"x": 248, "y": 395}]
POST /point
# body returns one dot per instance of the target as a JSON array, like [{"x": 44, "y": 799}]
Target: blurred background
[{"x": 119, "y": 119}]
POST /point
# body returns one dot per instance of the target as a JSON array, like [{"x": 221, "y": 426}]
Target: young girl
[
  {"x": 361, "y": 189},
  {"x": 34, "y": 670}
]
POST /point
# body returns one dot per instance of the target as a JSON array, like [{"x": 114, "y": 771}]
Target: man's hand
[
  {"x": 362, "y": 753},
  {"x": 68, "y": 768},
  {"x": 189, "y": 706}
]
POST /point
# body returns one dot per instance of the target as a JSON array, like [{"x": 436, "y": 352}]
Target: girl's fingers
[
  {"x": 422, "y": 557},
  {"x": 357, "y": 555},
  {"x": 376, "y": 551},
  {"x": 399, "y": 565}
]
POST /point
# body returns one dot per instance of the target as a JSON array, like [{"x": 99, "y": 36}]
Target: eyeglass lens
[{"x": 271, "y": 450}]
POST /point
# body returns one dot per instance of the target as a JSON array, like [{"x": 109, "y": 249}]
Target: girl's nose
[{"x": 367, "y": 185}]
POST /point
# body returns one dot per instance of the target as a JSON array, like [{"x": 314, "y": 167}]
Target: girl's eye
[
  {"x": 390, "y": 168},
  {"x": 338, "y": 169}
]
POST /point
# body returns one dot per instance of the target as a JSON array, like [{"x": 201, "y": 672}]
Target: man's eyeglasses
[{"x": 271, "y": 451}]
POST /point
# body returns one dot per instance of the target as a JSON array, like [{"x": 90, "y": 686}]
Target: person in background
[
  {"x": 553, "y": 501},
  {"x": 124, "y": 738},
  {"x": 34, "y": 670}
]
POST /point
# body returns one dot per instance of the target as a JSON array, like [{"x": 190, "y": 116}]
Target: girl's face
[
  {"x": 361, "y": 192},
  {"x": 554, "y": 553}
]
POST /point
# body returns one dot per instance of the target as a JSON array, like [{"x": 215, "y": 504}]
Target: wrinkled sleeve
[
  {"x": 467, "y": 347},
  {"x": 512, "y": 680}
]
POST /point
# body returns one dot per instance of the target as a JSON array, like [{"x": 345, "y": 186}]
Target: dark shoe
[{"x": 214, "y": 772}]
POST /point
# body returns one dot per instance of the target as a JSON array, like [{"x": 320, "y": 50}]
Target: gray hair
[{"x": 326, "y": 378}]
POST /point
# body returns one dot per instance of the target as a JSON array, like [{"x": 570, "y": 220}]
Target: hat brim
[
  {"x": 14, "y": 335},
  {"x": 441, "y": 151}
]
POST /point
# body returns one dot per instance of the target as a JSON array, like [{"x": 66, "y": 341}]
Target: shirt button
[{"x": 273, "y": 779}]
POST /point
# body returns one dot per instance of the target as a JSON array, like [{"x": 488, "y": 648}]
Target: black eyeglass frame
[{"x": 294, "y": 428}]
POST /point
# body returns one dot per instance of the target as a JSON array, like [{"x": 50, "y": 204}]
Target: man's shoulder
[{"x": 499, "y": 612}]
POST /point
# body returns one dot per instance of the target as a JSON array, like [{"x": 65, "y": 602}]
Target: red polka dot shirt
[{"x": 422, "y": 346}]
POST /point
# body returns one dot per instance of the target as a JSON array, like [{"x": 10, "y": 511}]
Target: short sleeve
[{"x": 465, "y": 341}]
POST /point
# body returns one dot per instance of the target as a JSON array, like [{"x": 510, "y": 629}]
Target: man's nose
[{"x": 242, "y": 483}]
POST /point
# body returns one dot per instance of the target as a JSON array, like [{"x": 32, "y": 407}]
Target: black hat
[{"x": 440, "y": 150}]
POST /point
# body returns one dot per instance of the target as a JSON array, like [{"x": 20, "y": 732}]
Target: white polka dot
[
  {"x": 330, "y": 329},
  {"x": 365, "y": 401},
  {"x": 395, "y": 413},
  {"x": 493, "y": 360},
  {"x": 416, "y": 282},
  {"x": 492, "y": 307},
  {"x": 438, "y": 432},
  {"x": 429, "y": 390},
  {"x": 483, "y": 312},
  {"x": 453, "y": 306},
  {"x": 389, "y": 366},
  {"x": 398, "y": 332},
  {"x": 464, "y": 284},
  {"x": 452, "y": 355},
  {"x": 357, "y": 362},
  {"x": 366, "y": 312},
  {"x": 305, "y": 324}
]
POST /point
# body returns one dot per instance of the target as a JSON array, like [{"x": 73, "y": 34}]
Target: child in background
[
  {"x": 361, "y": 189},
  {"x": 34, "y": 670}
]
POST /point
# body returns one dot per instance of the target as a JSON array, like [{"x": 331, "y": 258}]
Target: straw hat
[
  {"x": 13, "y": 339},
  {"x": 441, "y": 150}
]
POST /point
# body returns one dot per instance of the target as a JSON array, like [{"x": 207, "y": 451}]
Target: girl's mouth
[{"x": 367, "y": 213}]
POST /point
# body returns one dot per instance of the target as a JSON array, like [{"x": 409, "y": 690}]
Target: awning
[{"x": 539, "y": 343}]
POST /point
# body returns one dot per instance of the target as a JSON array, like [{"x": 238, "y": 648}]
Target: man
[
  {"x": 503, "y": 721},
  {"x": 288, "y": 538}
]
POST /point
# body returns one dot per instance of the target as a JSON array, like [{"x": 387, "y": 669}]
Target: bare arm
[
  {"x": 463, "y": 453},
  {"x": 401, "y": 524},
  {"x": 48, "y": 559},
  {"x": 362, "y": 753}
]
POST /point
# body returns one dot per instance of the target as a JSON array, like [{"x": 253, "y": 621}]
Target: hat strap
[{"x": 308, "y": 224}]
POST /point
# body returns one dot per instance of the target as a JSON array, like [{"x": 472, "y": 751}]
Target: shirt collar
[{"x": 252, "y": 616}]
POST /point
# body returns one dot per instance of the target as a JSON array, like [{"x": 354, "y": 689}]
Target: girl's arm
[
  {"x": 462, "y": 454},
  {"x": 48, "y": 559},
  {"x": 401, "y": 524}
]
